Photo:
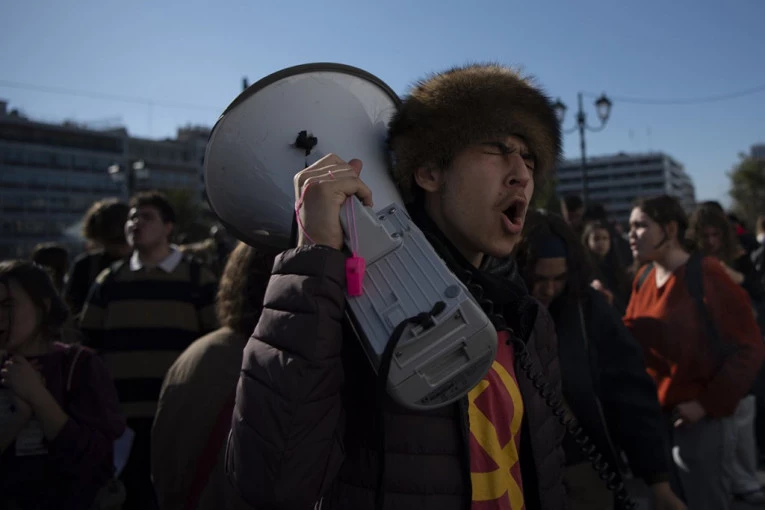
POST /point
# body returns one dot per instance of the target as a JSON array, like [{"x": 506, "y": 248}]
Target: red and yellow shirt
[{"x": 496, "y": 411}]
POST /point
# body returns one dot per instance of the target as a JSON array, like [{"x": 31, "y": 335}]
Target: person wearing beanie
[{"x": 469, "y": 147}]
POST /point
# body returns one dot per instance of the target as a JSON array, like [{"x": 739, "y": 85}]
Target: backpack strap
[
  {"x": 95, "y": 265},
  {"x": 643, "y": 275},
  {"x": 70, "y": 373},
  {"x": 209, "y": 456},
  {"x": 694, "y": 280},
  {"x": 114, "y": 268}
]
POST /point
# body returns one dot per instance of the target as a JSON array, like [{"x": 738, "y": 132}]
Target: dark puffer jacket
[
  {"x": 608, "y": 388},
  {"x": 305, "y": 428}
]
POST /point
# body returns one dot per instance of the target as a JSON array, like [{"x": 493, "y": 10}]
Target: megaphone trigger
[{"x": 355, "y": 266}]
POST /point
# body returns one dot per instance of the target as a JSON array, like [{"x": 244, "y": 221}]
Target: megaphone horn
[{"x": 288, "y": 121}]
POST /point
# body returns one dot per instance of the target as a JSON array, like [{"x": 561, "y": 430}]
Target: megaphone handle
[{"x": 364, "y": 231}]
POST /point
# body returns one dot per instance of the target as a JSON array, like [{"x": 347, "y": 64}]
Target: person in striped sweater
[{"x": 141, "y": 314}]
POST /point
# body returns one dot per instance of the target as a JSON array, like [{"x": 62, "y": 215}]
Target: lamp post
[
  {"x": 129, "y": 175},
  {"x": 603, "y": 109}
]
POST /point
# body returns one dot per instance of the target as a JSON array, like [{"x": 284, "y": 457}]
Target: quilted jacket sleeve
[{"x": 285, "y": 446}]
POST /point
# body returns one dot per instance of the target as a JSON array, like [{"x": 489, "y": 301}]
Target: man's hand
[
  {"x": 688, "y": 413},
  {"x": 665, "y": 499},
  {"x": 320, "y": 191}
]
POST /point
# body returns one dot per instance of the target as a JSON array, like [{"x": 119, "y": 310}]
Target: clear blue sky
[{"x": 197, "y": 52}]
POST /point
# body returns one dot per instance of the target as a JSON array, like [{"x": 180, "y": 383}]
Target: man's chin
[
  {"x": 504, "y": 248},
  {"x": 140, "y": 246},
  {"x": 641, "y": 258}
]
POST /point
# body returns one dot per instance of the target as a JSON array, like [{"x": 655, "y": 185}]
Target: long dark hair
[
  {"x": 540, "y": 225},
  {"x": 612, "y": 262},
  {"x": 708, "y": 216},
  {"x": 242, "y": 288},
  {"x": 37, "y": 283},
  {"x": 665, "y": 209}
]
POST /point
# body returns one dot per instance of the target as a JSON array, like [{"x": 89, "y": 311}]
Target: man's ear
[
  {"x": 429, "y": 178},
  {"x": 672, "y": 231},
  {"x": 169, "y": 227}
]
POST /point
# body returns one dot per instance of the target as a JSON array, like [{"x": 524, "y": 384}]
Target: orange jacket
[{"x": 680, "y": 354}]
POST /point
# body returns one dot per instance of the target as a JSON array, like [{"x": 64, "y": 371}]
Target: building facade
[
  {"x": 616, "y": 181},
  {"x": 50, "y": 174}
]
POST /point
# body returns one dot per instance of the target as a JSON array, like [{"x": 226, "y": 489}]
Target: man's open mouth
[{"x": 516, "y": 211}]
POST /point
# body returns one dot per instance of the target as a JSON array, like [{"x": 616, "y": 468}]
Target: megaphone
[{"x": 289, "y": 120}]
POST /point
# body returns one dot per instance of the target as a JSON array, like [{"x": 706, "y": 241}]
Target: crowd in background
[{"x": 120, "y": 366}]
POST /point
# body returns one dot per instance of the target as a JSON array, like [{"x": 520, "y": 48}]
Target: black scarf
[{"x": 498, "y": 279}]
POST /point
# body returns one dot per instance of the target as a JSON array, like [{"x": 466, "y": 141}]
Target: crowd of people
[{"x": 155, "y": 376}]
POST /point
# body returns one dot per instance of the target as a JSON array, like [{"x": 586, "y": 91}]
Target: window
[
  {"x": 39, "y": 158},
  {"x": 12, "y": 176},
  {"x": 15, "y": 156},
  {"x": 62, "y": 160}
]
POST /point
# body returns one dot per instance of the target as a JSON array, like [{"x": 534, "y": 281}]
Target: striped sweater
[{"x": 141, "y": 321}]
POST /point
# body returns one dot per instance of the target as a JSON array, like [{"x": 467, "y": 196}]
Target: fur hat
[{"x": 448, "y": 111}]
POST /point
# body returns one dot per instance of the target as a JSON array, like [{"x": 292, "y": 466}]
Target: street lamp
[
  {"x": 603, "y": 109},
  {"x": 137, "y": 170}
]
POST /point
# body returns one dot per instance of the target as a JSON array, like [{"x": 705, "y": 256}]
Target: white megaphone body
[{"x": 291, "y": 119}]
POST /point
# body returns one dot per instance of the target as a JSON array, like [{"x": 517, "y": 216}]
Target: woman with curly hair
[
  {"x": 104, "y": 229},
  {"x": 714, "y": 236}
]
